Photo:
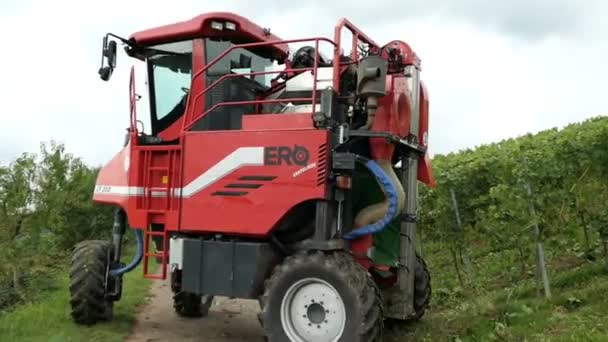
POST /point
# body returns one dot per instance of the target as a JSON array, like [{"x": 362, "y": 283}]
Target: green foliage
[
  {"x": 566, "y": 170},
  {"x": 45, "y": 208},
  {"x": 48, "y": 319}
]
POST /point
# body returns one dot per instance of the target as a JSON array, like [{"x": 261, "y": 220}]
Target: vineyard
[{"x": 517, "y": 237}]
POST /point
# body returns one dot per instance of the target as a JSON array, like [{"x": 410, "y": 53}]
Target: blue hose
[
  {"x": 391, "y": 194},
  {"x": 140, "y": 253}
]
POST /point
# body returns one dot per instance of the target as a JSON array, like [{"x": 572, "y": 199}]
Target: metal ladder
[{"x": 155, "y": 208}]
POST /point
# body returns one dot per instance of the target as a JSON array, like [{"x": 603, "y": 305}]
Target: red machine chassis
[{"x": 239, "y": 182}]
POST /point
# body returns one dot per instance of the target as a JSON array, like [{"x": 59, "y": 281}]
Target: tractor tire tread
[
  {"x": 87, "y": 278},
  {"x": 422, "y": 288},
  {"x": 349, "y": 271},
  {"x": 191, "y": 305}
]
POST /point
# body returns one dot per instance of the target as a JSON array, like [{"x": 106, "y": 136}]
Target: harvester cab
[{"x": 271, "y": 172}]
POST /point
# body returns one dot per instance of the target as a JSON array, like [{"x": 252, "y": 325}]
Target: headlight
[
  {"x": 216, "y": 25},
  {"x": 230, "y": 26}
]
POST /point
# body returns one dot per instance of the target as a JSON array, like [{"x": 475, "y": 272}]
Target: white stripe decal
[
  {"x": 119, "y": 190},
  {"x": 240, "y": 157},
  {"x": 244, "y": 156}
]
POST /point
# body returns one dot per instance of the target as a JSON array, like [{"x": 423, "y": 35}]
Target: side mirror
[
  {"x": 110, "y": 53},
  {"x": 108, "y": 59},
  {"x": 105, "y": 73}
]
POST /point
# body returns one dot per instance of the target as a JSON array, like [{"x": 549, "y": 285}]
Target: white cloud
[{"x": 487, "y": 80}]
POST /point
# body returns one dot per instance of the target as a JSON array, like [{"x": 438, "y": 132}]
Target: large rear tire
[
  {"x": 88, "y": 273},
  {"x": 324, "y": 297},
  {"x": 422, "y": 288}
]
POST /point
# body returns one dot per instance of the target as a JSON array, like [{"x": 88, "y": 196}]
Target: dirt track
[{"x": 228, "y": 320}]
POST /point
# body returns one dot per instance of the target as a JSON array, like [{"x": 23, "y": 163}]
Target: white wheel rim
[{"x": 312, "y": 310}]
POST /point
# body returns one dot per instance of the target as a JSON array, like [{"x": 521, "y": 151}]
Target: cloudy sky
[{"x": 494, "y": 69}]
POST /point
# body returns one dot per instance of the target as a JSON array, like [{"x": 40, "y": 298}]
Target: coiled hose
[
  {"x": 140, "y": 253},
  {"x": 392, "y": 195}
]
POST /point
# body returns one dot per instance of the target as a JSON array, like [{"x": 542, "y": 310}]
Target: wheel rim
[{"x": 312, "y": 310}]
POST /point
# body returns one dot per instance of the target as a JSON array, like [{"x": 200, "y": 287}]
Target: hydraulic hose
[
  {"x": 140, "y": 253},
  {"x": 391, "y": 194}
]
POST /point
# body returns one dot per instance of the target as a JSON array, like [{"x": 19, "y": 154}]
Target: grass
[
  {"x": 48, "y": 320},
  {"x": 504, "y": 304}
]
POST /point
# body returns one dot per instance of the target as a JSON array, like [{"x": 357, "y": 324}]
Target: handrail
[
  {"x": 249, "y": 102},
  {"x": 132, "y": 104},
  {"x": 227, "y": 76},
  {"x": 189, "y": 120},
  {"x": 358, "y": 35},
  {"x": 355, "y": 31}
]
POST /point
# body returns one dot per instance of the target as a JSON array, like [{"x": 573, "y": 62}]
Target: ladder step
[
  {"x": 158, "y": 168},
  {"x": 154, "y": 255},
  {"x": 156, "y": 211},
  {"x": 154, "y": 276},
  {"x": 151, "y": 233}
]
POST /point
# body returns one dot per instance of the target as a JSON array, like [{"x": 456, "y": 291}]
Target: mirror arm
[{"x": 123, "y": 40}]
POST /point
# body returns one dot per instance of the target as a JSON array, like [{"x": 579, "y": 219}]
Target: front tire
[
  {"x": 325, "y": 297},
  {"x": 88, "y": 273}
]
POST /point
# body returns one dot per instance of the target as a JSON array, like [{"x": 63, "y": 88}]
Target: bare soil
[{"x": 228, "y": 320}]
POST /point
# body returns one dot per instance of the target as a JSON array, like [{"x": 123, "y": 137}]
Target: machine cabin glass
[
  {"x": 170, "y": 77},
  {"x": 233, "y": 89},
  {"x": 170, "y": 72}
]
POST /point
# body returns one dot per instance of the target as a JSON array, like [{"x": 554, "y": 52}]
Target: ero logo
[{"x": 281, "y": 155}]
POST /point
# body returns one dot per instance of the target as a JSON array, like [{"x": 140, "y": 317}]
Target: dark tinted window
[{"x": 233, "y": 89}]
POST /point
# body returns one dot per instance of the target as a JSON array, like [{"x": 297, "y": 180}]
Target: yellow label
[{"x": 165, "y": 179}]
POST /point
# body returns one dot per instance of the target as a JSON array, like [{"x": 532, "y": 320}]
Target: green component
[{"x": 367, "y": 191}]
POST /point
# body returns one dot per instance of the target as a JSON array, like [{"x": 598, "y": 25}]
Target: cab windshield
[{"x": 170, "y": 75}]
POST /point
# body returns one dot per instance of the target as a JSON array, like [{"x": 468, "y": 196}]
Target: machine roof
[{"x": 198, "y": 26}]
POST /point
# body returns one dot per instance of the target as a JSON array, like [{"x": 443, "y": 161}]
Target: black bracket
[
  {"x": 410, "y": 218},
  {"x": 328, "y": 245},
  {"x": 391, "y": 138},
  {"x": 343, "y": 161}
]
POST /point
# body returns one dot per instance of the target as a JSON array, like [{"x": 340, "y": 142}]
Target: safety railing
[
  {"x": 132, "y": 105},
  {"x": 357, "y": 37},
  {"x": 191, "y": 119}
]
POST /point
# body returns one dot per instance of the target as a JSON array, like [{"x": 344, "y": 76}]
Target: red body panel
[
  {"x": 425, "y": 173},
  {"x": 278, "y": 187},
  {"x": 135, "y": 180},
  {"x": 393, "y": 115},
  {"x": 114, "y": 173},
  {"x": 274, "y": 121}
]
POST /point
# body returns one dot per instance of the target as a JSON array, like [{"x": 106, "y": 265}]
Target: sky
[{"x": 494, "y": 69}]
